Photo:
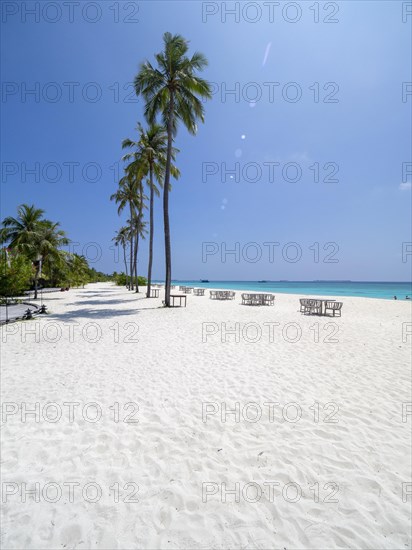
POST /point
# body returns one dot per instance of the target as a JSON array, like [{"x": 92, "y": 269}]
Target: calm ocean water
[{"x": 315, "y": 288}]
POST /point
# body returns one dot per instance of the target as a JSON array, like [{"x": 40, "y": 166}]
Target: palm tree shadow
[
  {"x": 93, "y": 293},
  {"x": 92, "y": 314},
  {"x": 98, "y": 302}
]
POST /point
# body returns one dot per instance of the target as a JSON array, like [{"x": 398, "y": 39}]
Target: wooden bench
[{"x": 154, "y": 293}]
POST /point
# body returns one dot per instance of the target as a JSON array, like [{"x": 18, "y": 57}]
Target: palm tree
[
  {"x": 122, "y": 238},
  {"x": 21, "y": 231},
  {"x": 38, "y": 239},
  {"x": 136, "y": 171},
  {"x": 151, "y": 148},
  {"x": 78, "y": 269},
  {"x": 137, "y": 226},
  {"x": 126, "y": 195},
  {"x": 46, "y": 246},
  {"x": 172, "y": 91}
]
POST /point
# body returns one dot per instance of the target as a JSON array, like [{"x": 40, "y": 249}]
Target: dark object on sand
[{"x": 27, "y": 315}]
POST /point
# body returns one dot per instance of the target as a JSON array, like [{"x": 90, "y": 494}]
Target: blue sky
[{"x": 328, "y": 99}]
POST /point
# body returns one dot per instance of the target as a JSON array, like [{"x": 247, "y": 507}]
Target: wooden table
[
  {"x": 179, "y": 297},
  {"x": 154, "y": 293}
]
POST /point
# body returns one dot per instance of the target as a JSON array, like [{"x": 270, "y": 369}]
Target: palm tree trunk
[
  {"x": 168, "y": 255},
  {"x": 136, "y": 248},
  {"x": 149, "y": 269},
  {"x": 131, "y": 264},
  {"x": 125, "y": 261},
  {"x": 131, "y": 250},
  {"x": 36, "y": 280},
  {"x": 139, "y": 220}
]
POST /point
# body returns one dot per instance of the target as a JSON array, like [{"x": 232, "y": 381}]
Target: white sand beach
[{"x": 317, "y": 454}]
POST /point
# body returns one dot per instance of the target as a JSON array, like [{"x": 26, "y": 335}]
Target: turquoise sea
[{"x": 315, "y": 288}]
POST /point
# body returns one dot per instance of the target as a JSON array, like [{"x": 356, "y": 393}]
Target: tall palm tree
[
  {"x": 136, "y": 171},
  {"x": 126, "y": 195},
  {"x": 151, "y": 148},
  {"x": 122, "y": 238},
  {"x": 137, "y": 226},
  {"x": 173, "y": 90}
]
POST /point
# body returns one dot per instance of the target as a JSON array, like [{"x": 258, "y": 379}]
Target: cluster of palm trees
[
  {"x": 38, "y": 241},
  {"x": 172, "y": 92}
]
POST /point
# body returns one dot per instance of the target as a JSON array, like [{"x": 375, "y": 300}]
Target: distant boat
[
  {"x": 262, "y": 281},
  {"x": 204, "y": 280}
]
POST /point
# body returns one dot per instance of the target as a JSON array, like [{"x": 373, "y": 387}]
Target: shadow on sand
[
  {"x": 98, "y": 302},
  {"x": 94, "y": 313}
]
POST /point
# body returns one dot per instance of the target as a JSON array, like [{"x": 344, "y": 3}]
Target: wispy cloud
[
  {"x": 265, "y": 57},
  {"x": 405, "y": 186}
]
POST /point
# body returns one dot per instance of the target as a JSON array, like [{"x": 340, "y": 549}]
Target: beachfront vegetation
[
  {"x": 16, "y": 273},
  {"x": 121, "y": 279},
  {"x": 34, "y": 254}
]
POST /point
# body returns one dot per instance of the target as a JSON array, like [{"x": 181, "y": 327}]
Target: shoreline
[{"x": 297, "y": 295}]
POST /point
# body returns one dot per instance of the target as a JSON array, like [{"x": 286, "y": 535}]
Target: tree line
[{"x": 33, "y": 254}]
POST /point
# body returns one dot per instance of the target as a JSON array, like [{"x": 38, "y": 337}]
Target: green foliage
[
  {"x": 34, "y": 245},
  {"x": 98, "y": 276},
  {"x": 121, "y": 280},
  {"x": 16, "y": 274}
]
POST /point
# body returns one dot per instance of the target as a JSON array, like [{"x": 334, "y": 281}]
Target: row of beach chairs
[{"x": 311, "y": 306}]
